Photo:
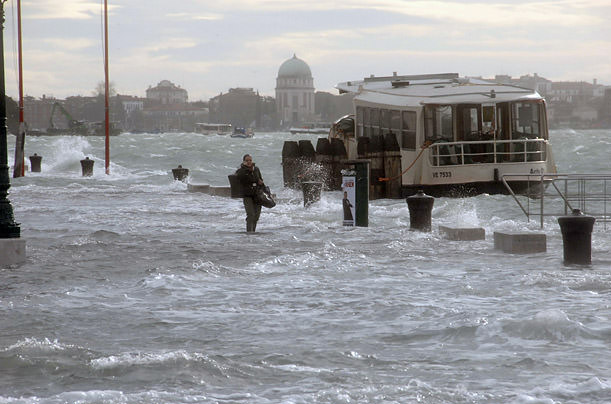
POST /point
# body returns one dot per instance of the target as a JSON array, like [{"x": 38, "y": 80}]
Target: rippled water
[{"x": 137, "y": 291}]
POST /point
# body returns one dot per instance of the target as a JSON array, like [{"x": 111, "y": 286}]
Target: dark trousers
[{"x": 253, "y": 211}]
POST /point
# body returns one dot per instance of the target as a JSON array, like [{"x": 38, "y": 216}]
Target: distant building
[
  {"x": 534, "y": 82},
  {"x": 38, "y": 111},
  {"x": 242, "y": 107},
  {"x": 166, "y": 93},
  {"x": 571, "y": 91},
  {"x": 166, "y": 110},
  {"x": 294, "y": 93}
]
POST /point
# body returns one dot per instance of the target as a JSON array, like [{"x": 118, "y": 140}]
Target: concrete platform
[
  {"x": 204, "y": 188},
  {"x": 12, "y": 251},
  {"x": 220, "y": 191},
  {"x": 462, "y": 233},
  {"x": 520, "y": 242}
]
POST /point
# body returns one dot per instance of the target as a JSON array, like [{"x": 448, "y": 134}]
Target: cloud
[
  {"x": 556, "y": 12},
  {"x": 196, "y": 17},
  {"x": 64, "y": 9}
]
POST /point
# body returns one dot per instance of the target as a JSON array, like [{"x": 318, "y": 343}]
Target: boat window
[
  {"x": 359, "y": 121},
  {"x": 375, "y": 122},
  {"x": 438, "y": 122},
  {"x": 395, "y": 121},
  {"x": 488, "y": 120},
  {"x": 375, "y": 117},
  {"x": 469, "y": 126},
  {"x": 526, "y": 120},
  {"x": 385, "y": 120},
  {"x": 408, "y": 130}
]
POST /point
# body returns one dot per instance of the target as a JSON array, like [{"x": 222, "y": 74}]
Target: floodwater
[{"x": 138, "y": 291}]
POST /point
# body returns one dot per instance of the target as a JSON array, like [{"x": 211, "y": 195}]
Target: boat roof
[{"x": 444, "y": 89}]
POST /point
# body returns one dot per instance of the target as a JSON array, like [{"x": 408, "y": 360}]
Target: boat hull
[{"x": 530, "y": 188}]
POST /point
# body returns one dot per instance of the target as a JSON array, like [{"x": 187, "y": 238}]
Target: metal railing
[
  {"x": 559, "y": 194},
  {"x": 491, "y": 151}
]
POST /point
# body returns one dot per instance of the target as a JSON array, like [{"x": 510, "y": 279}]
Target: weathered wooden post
[
  {"x": 376, "y": 155},
  {"x": 324, "y": 157},
  {"x": 339, "y": 154},
  {"x": 392, "y": 166},
  {"x": 290, "y": 163}
]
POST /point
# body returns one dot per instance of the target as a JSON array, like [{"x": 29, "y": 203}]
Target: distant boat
[
  {"x": 214, "y": 128},
  {"x": 314, "y": 128},
  {"x": 243, "y": 133}
]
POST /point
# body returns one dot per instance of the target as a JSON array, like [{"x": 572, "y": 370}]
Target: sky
[{"x": 209, "y": 46}]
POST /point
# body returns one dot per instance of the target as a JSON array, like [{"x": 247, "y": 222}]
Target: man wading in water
[{"x": 250, "y": 178}]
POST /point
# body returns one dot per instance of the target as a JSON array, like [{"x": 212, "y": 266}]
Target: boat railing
[
  {"x": 558, "y": 194},
  {"x": 489, "y": 151}
]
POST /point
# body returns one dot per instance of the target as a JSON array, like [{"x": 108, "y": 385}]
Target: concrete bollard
[
  {"x": 235, "y": 186},
  {"x": 577, "y": 237},
  {"x": 35, "y": 163},
  {"x": 311, "y": 192},
  {"x": 179, "y": 173},
  {"x": 87, "y": 167},
  {"x": 290, "y": 163},
  {"x": 420, "y": 208}
]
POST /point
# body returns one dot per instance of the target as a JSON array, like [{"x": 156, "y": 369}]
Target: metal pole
[
  {"x": 19, "y": 170},
  {"x": 8, "y": 227},
  {"x": 106, "y": 89}
]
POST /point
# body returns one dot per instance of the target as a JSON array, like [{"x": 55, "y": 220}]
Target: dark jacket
[{"x": 249, "y": 179}]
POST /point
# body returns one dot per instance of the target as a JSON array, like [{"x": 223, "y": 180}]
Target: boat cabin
[{"x": 476, "y": 130}]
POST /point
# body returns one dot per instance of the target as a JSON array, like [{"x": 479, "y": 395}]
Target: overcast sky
[{"x": 209, "y": 46}]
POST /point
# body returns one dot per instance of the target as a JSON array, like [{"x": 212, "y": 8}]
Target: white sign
[{"x": 349, "y": 200}]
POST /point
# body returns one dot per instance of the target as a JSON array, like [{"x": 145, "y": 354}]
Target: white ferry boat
[
  {"x": 312, "y": 128},
  {"x": 458, "y": 136},
  {"x": 214, "y": 128}
]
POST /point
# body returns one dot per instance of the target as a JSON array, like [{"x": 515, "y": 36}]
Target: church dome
[{"x": 294, "y": 67}]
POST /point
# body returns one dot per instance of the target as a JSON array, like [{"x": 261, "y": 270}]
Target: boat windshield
[{"x": 526, "y": 120}]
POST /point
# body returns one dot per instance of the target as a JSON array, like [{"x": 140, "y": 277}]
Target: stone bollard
[
  {"x": 179, "y": 173},
  {"x": 311, "y": 192},
  {"x": 290, "y": 163},
  {"x": 420, "y": 208},
  {"x": 87, "y": 167},
  {"x": 577, "y": 237},
  {"x": 35, "y": 163}
]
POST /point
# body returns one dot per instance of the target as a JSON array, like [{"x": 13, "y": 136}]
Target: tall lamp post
[{"x": 8, "y": 227}]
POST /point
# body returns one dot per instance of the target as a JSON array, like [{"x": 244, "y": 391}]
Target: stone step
[
  {"x": 520, "y": 242},
  {"x": 462, "y": 233}
]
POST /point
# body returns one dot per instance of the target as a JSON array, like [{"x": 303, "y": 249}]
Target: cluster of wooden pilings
[
  {"x": 301, "y": 162},
  {"x": 385, "y": 155}
]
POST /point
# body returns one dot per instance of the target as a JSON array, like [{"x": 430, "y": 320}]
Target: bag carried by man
[{"x": 263, "y": 197}]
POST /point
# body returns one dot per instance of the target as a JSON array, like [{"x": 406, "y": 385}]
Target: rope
[{"x": 425, "y": 146}]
